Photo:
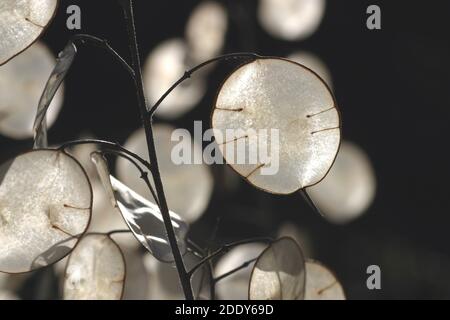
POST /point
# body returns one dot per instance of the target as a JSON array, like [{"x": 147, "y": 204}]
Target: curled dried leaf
[
  {"x": 95, "y": 270},
  {"x": 22, "y": 23},
  {"x": 46, "y": 202},
  {"x": 277, "y": 125},
  {"x": 63, "y": 64},
  {"x": 279, "y": 272},
  {"x": 142, "y": 216},
  {"x": 321, "y": 283}
]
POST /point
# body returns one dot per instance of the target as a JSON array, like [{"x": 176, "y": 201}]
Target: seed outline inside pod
[
  {"x": 42, "y": 31},
  {"x": 76, "y": 237}
]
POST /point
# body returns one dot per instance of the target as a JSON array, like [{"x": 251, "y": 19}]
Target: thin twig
[
  {"x": 225, "y": 249},
  {"x": 188, "y": 73},
  {"x": 109, "y": 233},
  {"x": 229, "y": 273},
  {"x": 113, "y": 232},
  {"x": 104, "y": 143},
  {"x": 310, "y": 201},
  {"x": 103, "y": 44}
]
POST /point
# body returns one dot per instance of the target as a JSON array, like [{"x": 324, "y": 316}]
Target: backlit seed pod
[
  {"x": 95, "y": 270},
  {"x": 21, "y": 23},
  {"x": 13, "y": 282},
  {"x": 321, "y": 283},
  {"x": 206, "y": 30},
  {"x": 164, "y": 66},
  {"x": 8, "y": 295},
  {"x": 300, "y": 235},
  {"x": 236, "y": 285},
  {"x": 190, "y": 203},
  {"x": 46, "y": 202},
  {"x": 349, "y": 188},
  {"x": 137, "y": 279},
  {"x": 291, "y": 19},
  {"x": 279, "y": 272},
  {"x": 22, "y": 81},
  {"x": 106, "y": 217},
  {"x": 314, "y": 63},
  {"x": 164, "y": 284},
  {"x": 277, "y": 125}
]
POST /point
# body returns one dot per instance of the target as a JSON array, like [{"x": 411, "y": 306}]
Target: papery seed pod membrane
[
  {"x": 8, "y": 295},
  {"x": 349, "y": 188},
  {"x": 137, "y": 279},
  {"x": 299, "y": 234},
  {"x": 313, "y": 62},
  {"x": 22, "y": 23},
  {"x": 277, "y": 125},
  {"x": 46, "y": 202},
  {"x": 164, "y": 282},
  {"x": 279, "y": 272},
  {"x": 235, "y": 286},
  {"x": 206, "y": 30},
  {"x": 95, "y": 270},
  {"x": 321, "y": 283},
  {"x": 22, "y": 81},
  {"x": 291, "y": 19}
]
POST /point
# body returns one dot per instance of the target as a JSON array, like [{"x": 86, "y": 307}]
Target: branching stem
[
  {"x": 103, "y": 44},
  {"x": 143, "y": 173},
  {"x": 142, "y": 103}
]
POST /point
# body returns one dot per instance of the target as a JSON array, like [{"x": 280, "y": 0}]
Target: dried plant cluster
[{"x": 49, "y": 195}]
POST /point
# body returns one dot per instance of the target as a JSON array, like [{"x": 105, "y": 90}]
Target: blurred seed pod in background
[{"x": 21, "y": 83}]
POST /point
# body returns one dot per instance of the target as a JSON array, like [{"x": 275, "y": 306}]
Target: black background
[{"x": 392, "y": 86}]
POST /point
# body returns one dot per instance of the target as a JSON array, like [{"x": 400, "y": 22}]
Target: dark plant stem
[
  {"x": 212, "y": 287},
  {"x": 310, "y": 201},
  {"x": 147, "y": 123}
]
